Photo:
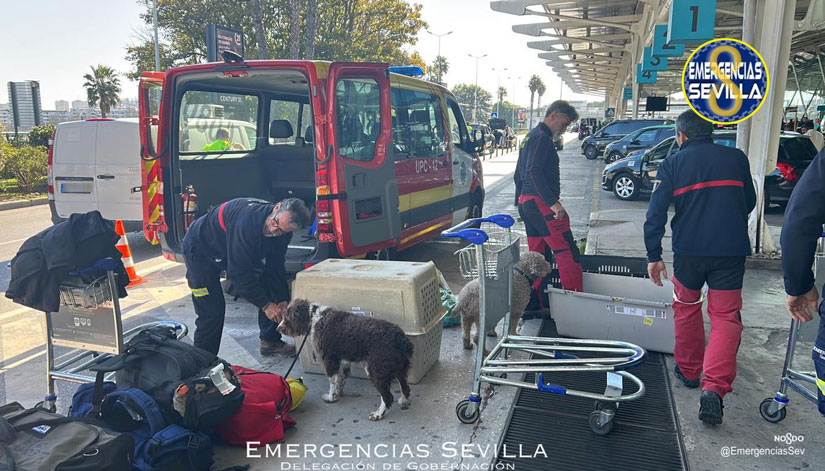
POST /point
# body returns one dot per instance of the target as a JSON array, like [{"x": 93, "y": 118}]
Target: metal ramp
[{"x": 646, "y": 435}]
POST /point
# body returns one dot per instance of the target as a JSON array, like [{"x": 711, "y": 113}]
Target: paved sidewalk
[{"x": 619, "y": 231}]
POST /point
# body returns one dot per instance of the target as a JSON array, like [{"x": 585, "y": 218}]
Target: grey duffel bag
[{"x": 39, "y": 440}]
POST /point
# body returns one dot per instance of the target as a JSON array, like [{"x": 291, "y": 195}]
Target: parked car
[
  {"x": 636, "y": 174},
  {"x": 642, "y": 139},
  {"x": 487, "y": 136},
  {"x": 594, "y": 145},
  {"x": 95, "y": 165},
  {"x": 384, "y": 160}
]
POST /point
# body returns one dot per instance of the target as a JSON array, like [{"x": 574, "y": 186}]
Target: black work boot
[
  {"x": 689, "y": 383},
  {"x": 710, "y": 408},
  {"x": 279, "y": 348}
]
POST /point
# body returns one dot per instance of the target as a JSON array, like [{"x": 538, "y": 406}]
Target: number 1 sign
[{"x": 691, "y": 21}]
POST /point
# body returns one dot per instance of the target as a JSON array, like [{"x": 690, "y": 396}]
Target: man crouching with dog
[{"x": 248, "y": 238}]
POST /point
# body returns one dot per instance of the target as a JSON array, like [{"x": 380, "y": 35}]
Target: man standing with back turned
[
  {"x": 537, "y": 191},
  {"x": 712, "y": 189}
]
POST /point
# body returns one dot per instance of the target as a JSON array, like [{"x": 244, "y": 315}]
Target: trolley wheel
[
  {"x": 776, "y": 417},
  {"x": 599, "y": 405},
  {"x": 463, "y": 413},
  {"x": 593, "y": 420}
]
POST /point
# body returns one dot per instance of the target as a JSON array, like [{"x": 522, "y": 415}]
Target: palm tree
[
  {"x": 102, "y": 88},
  {"x": 540, "y": 91},
  {"x": 295, "y": 29},
  {"x": 534, "y": 84},
  {"x": 502, "y": 92},
  {"x": 440, "y": 66}
]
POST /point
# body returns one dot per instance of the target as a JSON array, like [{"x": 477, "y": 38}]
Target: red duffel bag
[{"x": 264, "y": 415}]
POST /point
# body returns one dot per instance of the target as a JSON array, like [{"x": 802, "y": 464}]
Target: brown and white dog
[{"x": 341, "y": 338}]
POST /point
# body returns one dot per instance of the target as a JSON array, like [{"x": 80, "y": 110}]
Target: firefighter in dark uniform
[
  {"x": 537, "y": 193},
  {"x": 801, "y": 229},
  {"x": 247, "y": 238},
  {"x": 712, "y": 190}
]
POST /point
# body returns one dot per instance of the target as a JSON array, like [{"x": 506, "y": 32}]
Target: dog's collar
[
  {"x": 521, "y": 272},
  {"x": 313, "y": 309}
]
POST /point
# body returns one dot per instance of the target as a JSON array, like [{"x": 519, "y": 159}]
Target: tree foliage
[
  {"x": 346, "y": 30},
  {"x": 534, "y": 84},
  {"x": 439, "y": 67},
  {"x": 102, "y": 88},
  {"x": 466, "y": 93},
  {"x": 28, "y": 164},
  {"x": 40, "y": 135}
]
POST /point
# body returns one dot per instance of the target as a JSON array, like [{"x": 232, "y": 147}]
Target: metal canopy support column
[
  {"x": 775, "y": 45},
  {"x": 743, "y": 131}
]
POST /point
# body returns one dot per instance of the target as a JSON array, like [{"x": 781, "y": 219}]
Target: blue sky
[{"x": 57, "y": 41}]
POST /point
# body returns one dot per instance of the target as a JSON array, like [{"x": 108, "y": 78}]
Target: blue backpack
[{"x": 158, "y": 446}]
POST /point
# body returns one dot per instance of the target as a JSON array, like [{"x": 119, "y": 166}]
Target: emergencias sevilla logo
[{"x": 725, "y": 81}]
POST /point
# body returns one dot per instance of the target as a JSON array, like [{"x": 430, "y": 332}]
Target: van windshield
[{"x": 217, "y": 122}]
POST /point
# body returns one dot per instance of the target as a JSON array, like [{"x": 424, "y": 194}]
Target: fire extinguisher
[{"x": 190, "y": 206}]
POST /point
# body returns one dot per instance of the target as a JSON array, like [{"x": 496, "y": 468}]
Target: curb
[{"x": 15, "y": 204}]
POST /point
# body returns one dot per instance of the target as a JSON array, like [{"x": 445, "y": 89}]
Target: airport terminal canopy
[{"x": 594, "y": 45}]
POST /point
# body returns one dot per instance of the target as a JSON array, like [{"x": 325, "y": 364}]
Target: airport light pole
[
  {"x": 515, "y": 80},
  {"x": 499, "y": 70},
  {"x": 475, "y": 90},
  {"x": 439, "y": 36},
  {"x": 155, "y": 21}
]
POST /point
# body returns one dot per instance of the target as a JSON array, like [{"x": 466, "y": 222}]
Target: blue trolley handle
[{"x": 477, "y": 236}]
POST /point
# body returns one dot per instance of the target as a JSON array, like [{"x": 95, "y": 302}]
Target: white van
[{"x": 95, "y": 164}]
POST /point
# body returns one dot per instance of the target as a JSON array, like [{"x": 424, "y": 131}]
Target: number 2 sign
[{"x": 691, "y": 21}]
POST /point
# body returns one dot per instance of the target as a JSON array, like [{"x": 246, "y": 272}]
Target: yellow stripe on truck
[
  {"x": 424, "y": 197},
  {"x": 425, "y": 231}
]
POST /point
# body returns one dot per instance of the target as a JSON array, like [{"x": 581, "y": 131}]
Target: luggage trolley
[
  {"x": 772, "y": 409},
  {"x": 89, "y": 321},
  {"x": 490, "y": 258}
]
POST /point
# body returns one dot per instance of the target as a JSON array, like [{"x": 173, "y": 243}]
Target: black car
[
  {"x": 642, "y": 139},
  {"x": 636, "y": 174},
  {"x": 594, "y": 145},
  {"x": 487, "y": 136}
]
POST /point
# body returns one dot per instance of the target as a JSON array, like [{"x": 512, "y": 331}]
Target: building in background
[
  {"x": 5, "y": 117},
  {"x": 80, "y": 105},
  {"x": 24, "y": 99},
  {"x": 61, "y": 105}
]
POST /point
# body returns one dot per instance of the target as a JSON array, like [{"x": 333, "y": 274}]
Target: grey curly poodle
[{"x": 530, "y": 267}]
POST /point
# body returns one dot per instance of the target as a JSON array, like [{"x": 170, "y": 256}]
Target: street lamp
[
  {"x": 515, "y": 80},
  {"x": 439, "y": 36},
  {"x": 475, "y": 90},
  {"x": 500, "y": 70}
]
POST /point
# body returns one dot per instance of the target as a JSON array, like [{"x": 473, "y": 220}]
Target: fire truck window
[
  {"x": 458, "y": 131},
  {"x": 217, "y": 122},
  {"x": 418, "y": 124},
  {"x": 358, "y": 114},
  {"x": 288, "y": 111}
]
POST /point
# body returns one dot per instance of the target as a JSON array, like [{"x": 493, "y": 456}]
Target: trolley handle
[{"x": 477, "y": 236}]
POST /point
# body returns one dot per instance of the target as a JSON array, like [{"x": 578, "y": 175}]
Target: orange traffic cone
[{"x": 126, "y": 253}]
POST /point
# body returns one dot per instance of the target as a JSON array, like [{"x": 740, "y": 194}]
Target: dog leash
[
  {"x": 297, "y": 354},
  {"x": 520, "y": 272}
]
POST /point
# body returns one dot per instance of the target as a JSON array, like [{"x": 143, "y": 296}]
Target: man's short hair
[
  {"x": 222, "y": 134},
  {"x": 562, "y": 106},
  {"x": 692, "y": 125},
  {"x": 299, "y": 211}
]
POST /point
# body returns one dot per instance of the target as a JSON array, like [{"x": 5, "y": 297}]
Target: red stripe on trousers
[{"x": 715, "y": 183}]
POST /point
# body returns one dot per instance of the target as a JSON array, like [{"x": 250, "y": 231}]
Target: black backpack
[
  {"x": 36, "y": 439},
  {"x": 191, "y": 386}
]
